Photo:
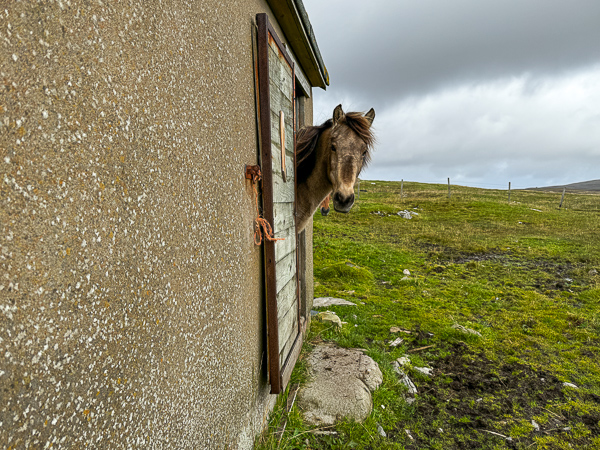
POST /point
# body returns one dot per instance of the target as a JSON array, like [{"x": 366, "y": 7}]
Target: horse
[
  {"x": 329, "y": 158},
  {"x": 325, "y": 206}
]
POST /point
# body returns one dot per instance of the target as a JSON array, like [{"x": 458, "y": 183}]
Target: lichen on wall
[{"x": 130, "y": 287}]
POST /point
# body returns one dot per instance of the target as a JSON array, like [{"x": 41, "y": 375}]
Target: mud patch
[{"x": 471, "y": 397}]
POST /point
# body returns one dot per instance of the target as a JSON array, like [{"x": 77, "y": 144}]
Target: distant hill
[{"x": 592, "y": 185}]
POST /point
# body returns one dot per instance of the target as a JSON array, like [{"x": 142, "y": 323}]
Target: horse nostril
[{"x": 343, "y": 202}]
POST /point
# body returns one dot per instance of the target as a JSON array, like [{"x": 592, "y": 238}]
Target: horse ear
[
  {"x": 370, "y": 116},
  {"x": 338, "y": 114}
]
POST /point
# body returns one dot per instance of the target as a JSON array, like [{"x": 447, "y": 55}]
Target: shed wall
[{"x": 131, "y": 309}]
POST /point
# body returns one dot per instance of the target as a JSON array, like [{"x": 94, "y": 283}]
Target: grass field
[{"x": 522, "y": 274}]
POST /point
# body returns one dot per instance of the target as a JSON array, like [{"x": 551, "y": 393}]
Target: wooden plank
[
  {"x": 288, "y": 112},
  {"x": 285, "y": 270},
  {"x": 284, "y": 216},
  {"x": 303, "y": 83},
  {"x": 287, "y": 246},
  {"x": 267, "y": 195},
  {"x": 286, "y": 299},
  {"x": 290, "y": 362},
  {"x": 289, "y": 165},
  {"x": 288, "y": 329},
  {"x": 283, "y": 192}
]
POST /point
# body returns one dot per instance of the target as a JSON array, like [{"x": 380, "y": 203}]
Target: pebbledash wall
[{"x": 131, "y": 293}]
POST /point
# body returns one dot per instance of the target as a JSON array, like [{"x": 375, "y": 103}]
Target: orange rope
[{"x": 261, "y": 227}]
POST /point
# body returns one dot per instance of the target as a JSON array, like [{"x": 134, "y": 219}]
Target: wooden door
[{"x": 276, "y": 93}]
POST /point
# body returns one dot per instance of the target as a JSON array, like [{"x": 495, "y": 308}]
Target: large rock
[
  {"x": 341, "y": 384},
  {"x": 322, "y": 302}
]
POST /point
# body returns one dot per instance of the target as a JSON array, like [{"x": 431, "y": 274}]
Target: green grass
[{"x": 518, "y": 273}]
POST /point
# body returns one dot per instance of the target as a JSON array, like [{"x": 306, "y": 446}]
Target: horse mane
[{"x": 307, "y": 137}]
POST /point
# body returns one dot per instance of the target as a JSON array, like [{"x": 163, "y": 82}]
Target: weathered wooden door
[{"x": 277, "y": 160}]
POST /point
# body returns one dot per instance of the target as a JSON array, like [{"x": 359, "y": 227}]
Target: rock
[
  {"x": 381, "y": 431},
  {"x": 425, "y": 371},
  {"x": 324, "y": 433},
  {"x": 399, "y": 330},
  {"x": 323, "y": 302},
  {"x": 571, "y": 385},
  {"x": 329, "y": 316},
  {"x": 341, "y": 384},
  {"x": 406, "y": 272},
  {"x": 535, "y": 425},
  {"x": 412, "y": 389},
  {"x": 466, "y": 330},
  {"x": 403, "y": 360},
  {"x": 593, "y": 272},
  {"x": 404, "y": 279},
  {"x": 409, "y": 435},
  {"x": 396, "y": 342},
  {"x": 405, "y": 214}
]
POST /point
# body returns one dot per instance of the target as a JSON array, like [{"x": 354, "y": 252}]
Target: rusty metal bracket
[{"x": 252, "y": 172}]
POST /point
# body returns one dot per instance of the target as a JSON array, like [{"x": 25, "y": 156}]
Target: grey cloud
[
  {"x": 384, "y": 50},
  {"x": 480, "y": 91}
]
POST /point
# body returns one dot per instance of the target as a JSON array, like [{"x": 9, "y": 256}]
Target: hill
[{"x": 592, "y": 185}]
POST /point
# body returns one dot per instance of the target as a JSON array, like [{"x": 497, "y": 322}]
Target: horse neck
[{"x": 317, "y": 185}]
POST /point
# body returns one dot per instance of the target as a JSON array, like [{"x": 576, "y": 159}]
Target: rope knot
[{"x": 262, "y": 228}]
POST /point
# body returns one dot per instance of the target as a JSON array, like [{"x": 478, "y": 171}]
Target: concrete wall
[{"x": 131, "y": 311}]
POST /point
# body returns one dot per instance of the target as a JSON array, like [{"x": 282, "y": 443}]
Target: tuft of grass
[{"x": 521, "y": 274}]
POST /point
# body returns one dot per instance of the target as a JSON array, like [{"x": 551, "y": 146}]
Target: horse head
[{"x": 350, "y": 145}]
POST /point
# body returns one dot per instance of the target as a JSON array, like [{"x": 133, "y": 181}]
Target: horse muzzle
[{"x": 342, "y": 203}]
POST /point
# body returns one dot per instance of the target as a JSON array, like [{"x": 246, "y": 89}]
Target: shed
[{"x": 135, "y": 308}]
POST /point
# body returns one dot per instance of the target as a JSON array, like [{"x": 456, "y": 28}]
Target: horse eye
[{"x": 333, "y": 149}]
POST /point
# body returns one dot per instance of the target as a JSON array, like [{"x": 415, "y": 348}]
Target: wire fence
[{"x": 558, "y": 197}]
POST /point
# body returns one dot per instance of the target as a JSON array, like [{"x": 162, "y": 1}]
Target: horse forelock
[{"x": 361, "y": 126}]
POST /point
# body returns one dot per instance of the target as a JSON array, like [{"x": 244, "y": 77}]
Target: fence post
[
  {"x": 562, "y": 198},
  {"x": 509, "y": 192},
  {"x": 402, "y": 189},
  {"x": 449, "y": 193},
  {"x": 358, "y": 194}
]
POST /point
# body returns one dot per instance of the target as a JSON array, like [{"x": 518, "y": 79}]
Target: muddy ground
[{"x": 470, "y": 398}]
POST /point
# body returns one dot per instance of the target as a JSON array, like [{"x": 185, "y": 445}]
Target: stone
[
  {"x": 323, "y": 302},
  {"x": 406, "y": 272},
  {"x": 593, "y": 272},
  {"x": 341, "y": 384},
  {"x": 412, "y": 389},
  {"x": 403, "y": 360},
  {"x": 330, "y": 317},
  {"x": 571, "y": 385},
  {"x": 405, "y": 214},
  {"x": 425, "y": 371},
  {"x": 396, "y": 342},
  {"x": 399, "y": 330},
  {"x": 535, "y": 425},
  {"x": 466, "y": 330}
]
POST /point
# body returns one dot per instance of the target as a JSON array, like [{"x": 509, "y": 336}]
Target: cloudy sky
[{"x": 481, "y": 91}]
